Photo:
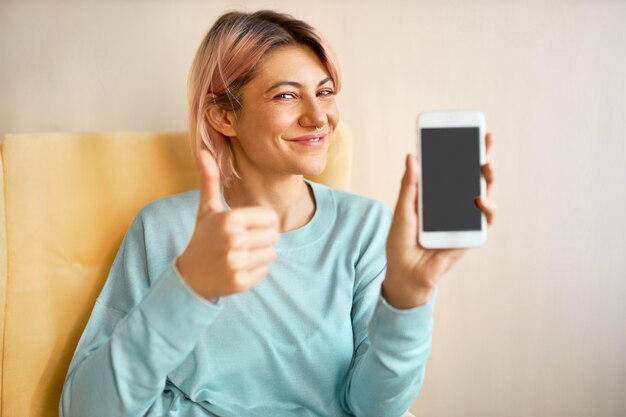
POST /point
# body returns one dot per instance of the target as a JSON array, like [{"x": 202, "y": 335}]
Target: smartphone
[{"x": 451, "y": 150}]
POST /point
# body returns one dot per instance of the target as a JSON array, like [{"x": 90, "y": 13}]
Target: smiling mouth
[
  {"x": 314, "y": 141},
  {"x": 309, "y": 138}
]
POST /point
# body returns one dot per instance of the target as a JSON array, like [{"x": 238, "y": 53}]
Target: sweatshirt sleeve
[
  {"x": 138, "y": 332},
  {"x": 391, "y": 346}
]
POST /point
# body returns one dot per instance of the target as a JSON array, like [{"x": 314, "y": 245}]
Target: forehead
[{"x": 290, "y": 63}]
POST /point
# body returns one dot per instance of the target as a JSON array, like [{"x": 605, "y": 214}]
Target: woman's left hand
[{"x": 413, "y": 271}]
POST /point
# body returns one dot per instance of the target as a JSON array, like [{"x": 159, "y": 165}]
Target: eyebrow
[{"x": 296, "y": 84}]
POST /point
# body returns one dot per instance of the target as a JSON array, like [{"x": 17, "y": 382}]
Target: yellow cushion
[{"x": 66, "y": 204}]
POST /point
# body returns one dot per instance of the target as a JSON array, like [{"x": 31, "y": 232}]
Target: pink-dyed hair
[{"x": 225, "y": 62}]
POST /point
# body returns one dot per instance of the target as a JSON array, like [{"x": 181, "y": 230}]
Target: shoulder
[
  {"x": 171, "y": 204},
  {"x": 171, "y": 208},
  {"x": 167, "y": 219},
  {"x": 162, "y": 229}
]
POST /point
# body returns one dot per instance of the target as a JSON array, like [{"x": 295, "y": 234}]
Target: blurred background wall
[{"x": 532, "y": 324}]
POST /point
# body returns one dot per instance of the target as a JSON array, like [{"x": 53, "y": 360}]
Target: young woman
[{"x": 262, "y": 293}]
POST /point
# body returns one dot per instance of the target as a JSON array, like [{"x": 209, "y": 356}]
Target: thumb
[
  {"x": 210, "y": 190},
  {"x": 405, "y": 215}
]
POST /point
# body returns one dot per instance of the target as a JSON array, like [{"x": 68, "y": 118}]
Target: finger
[
  {"x": 256, "y": 238},
  {"x": 488, "y": 142},
  {"x": 455, "y": 253},
  {"x": 489, "y": 174},
  {"x": 405, "y": 206},
  {"x": 405, "y": 216},
  {"x": 253, "y": 276},
  {"x": 257, "y": 258},
  {"x": 444, "y": 259},
  {"x": 210, "y": 190},
  {"x": 488, "y": 208},
  {"x": 252, "y": 218}
]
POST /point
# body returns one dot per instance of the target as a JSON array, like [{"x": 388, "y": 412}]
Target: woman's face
[{"x": 287, "y": 117}]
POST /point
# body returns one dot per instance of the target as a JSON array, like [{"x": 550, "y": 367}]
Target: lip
[{"x": 309, "y": 140}]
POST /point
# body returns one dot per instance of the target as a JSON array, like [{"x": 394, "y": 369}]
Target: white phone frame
[{"x": 441, "y": 119}]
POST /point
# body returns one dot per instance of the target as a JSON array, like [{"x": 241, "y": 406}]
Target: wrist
[
  {"x": 405, "y": 296},
  {"x": 183, "y": 270}
]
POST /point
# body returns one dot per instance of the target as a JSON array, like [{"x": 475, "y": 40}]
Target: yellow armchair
[{"x": 67, "y": 201}]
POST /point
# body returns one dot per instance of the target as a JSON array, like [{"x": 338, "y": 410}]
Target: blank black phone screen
[{"x": 450, "y": 179}]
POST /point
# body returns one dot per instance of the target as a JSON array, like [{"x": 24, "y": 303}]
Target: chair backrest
[{"x": 67, "y": 201}]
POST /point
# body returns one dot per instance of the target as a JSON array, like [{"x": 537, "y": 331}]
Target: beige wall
[{"x": 534, "y": 323}]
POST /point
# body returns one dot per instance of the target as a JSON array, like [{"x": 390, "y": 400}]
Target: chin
[
  {"x": 314, "y": 169},
  {"x": 310, "y": 172}
]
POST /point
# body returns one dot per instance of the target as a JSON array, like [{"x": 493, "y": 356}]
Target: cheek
[
  {"x": 259, "y": 132},
  {"x": 273, "y": 121},
  {"x": 333, "y": 114}
]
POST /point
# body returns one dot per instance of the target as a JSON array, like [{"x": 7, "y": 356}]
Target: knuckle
[
  {"x": 259, "y": 273},
  {"x": 225, "y": 228},
  {"x": 233, "y": 286},
  {"x": 231, "y": 219},
  {"x": 232, "y": 240},
  {"x": 232, "y": 262},
  {"x": 266, "y": 211},
  {"x": 274, "y": 218},
  {"x": 240, "y": 281}
]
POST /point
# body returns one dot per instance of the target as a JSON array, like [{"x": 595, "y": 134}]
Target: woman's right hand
[{"x": 229, "y": 251}]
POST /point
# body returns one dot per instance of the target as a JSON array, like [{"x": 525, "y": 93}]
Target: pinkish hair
[{"x": 225, "y": 62}]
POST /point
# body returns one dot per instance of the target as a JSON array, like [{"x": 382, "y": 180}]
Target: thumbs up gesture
[{"x": 229, "y": 251}]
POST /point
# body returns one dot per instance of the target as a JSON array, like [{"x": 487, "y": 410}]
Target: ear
[{"x": 223, "y": 121}]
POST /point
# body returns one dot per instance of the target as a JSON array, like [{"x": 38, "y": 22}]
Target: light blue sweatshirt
[{"x": 314, "y": 338}]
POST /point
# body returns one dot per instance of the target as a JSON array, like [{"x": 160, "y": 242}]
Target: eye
[
  {"x": 286, "y": 96},
  {"x": 325, "y": 92}
]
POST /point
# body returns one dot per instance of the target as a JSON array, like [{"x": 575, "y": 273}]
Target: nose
[{"x": 313, "y": 115}]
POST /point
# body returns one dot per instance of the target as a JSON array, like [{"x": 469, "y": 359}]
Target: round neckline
[{"x": 312, "y": 231}]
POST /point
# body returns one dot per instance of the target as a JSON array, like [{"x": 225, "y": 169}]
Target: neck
[{"x": 289, "y": 196}]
